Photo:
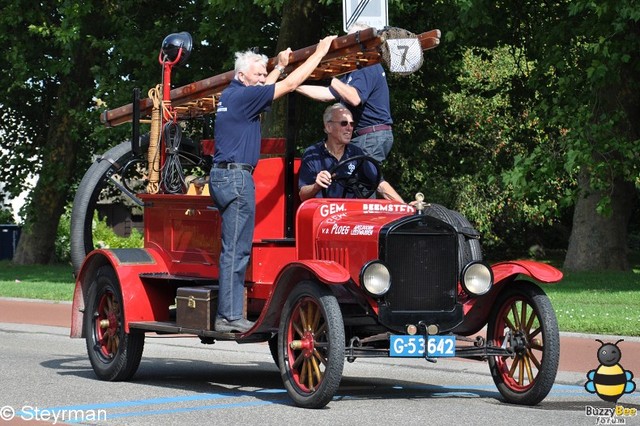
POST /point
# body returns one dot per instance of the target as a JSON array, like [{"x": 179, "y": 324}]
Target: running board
[{"x": 171, "y": 328}]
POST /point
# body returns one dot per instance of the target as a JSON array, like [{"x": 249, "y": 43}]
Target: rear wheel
[
  {"x": 114, "y": 354},
  {"x": 114, "y": 162},
  {"x": 311, "y": 345},
  {"x": 524, "y": 321}
]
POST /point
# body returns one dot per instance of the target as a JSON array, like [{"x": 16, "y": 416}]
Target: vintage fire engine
[{"x": 328, "y": 280}]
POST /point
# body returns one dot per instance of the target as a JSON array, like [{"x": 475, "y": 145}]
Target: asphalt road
[{"x": 45, "y": 375}]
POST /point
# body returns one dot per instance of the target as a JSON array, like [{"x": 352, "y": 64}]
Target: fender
[
  {"x": 539, "y": 271},
  {"x": 477, "y": 309},
  {"x": 142, "y": 302},
  {"x": 327, "y": 272}
]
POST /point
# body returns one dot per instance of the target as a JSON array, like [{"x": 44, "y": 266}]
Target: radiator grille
[{"x": 423, "y": 269}]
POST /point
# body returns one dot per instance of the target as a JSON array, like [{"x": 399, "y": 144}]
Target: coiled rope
[
  {"x": 153, "y": 157},
  {"x": 172, "y": 174}
]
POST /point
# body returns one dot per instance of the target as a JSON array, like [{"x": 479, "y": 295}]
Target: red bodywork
[
  {"x": 303, "y": 286},
  {"x": 477, "y": 310},
  {"x": 334, "y": 238}
]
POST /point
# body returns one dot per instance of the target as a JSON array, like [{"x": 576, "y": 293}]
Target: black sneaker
[{"x": 241, "y": 325}]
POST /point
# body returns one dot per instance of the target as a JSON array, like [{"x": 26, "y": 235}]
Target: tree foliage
[
  {"x": 525, "y": 111},
  {"x": 582, "y": 88},
  {"x": 67, "y": 61}
]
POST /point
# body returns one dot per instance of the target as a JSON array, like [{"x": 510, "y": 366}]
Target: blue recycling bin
[{"x": 9, "y": 236}]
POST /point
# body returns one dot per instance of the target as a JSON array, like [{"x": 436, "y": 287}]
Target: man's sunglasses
[{"x": 343, "y": 123}]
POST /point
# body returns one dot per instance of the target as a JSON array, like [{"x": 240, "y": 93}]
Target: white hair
[
  {"x": 248, "y": 57},
  {"x": 327, "y": 116}
]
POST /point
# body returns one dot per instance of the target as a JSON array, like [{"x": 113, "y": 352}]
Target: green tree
[
  {"x": 6, "y": 216},
  {"x": 459, "y": 124},
  {"x": 583, "y": 87},
  {"x": 48, "y": 91},
  {"x": 524, "y": 109},
  {"x": 67, "y": 61}
]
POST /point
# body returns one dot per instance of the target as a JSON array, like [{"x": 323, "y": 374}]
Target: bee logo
[{"x": 609, "y": 381}]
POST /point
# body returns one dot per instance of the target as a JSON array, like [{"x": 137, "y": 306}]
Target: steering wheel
[{"x": 363, "y": 180}]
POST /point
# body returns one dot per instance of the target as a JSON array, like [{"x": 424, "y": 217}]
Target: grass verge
[
  {"x": 47, "y": 282},
  {"x": 597, "y": 302},
  {"x": 585, "y": 302}
]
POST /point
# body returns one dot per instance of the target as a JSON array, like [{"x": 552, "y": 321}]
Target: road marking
[
  {"x": 189, "y": 409},
  {"x": 440, "y": 391},
  {"x": 162, "y": 401}
]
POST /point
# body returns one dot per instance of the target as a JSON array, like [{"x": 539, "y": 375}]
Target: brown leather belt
[
  {"x": 232, "y": 166},
  {"x": 371, "y": 129}
]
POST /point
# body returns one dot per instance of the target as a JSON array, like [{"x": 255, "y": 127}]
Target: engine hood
[{"x": 328, "y": 229}]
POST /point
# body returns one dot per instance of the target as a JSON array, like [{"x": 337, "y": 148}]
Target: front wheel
[
  {"x": 311, "y": 345},
  {"x": 114, "y": 354},
  {"x": 523, "y": 320}
]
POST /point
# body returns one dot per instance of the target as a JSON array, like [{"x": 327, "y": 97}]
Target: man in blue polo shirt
[
  {"x": 237, "y": 149},
  {"x": 366, "y": 94},
  {"x": 321, "y": 157}
]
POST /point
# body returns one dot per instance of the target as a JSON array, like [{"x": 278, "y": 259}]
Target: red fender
[
  {"x": 477, "y": 309},
  {"x": 141, "y": 302},
  {"x": 327, "y": 272},
  {"x": 539, "y": 271}
]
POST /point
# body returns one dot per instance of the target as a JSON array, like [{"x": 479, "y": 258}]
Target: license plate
[{"x": 413, "y": 346}]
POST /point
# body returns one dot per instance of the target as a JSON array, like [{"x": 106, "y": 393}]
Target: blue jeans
[
  {"x": 376, "y": 144},
  {"x": 234, "y": 194}
]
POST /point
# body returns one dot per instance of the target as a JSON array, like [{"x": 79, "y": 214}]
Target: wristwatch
[{"x": 280, "y": 69}]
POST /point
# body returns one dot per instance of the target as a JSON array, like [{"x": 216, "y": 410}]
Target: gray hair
[
  {"x": 328, "y": 112},
  {"x": 246, "y": 58}
]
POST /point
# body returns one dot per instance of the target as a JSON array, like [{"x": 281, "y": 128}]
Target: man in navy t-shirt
[
  {"x": 321, "y": 157},
  {"x": 237, "y": 149},
  {"x": 366, "y": 93}
]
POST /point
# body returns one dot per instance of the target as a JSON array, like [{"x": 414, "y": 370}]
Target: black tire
[
  {"x": 114, "y": 354},
  {"x": 311, "y": 352},
  {"x": 84, "y": 203},
  {"x": 468, "y": 248},
  {"x": 472, "y": 247},
  {"x": 527, "y": 378}
]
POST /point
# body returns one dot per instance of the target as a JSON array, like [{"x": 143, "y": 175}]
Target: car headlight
[
  {"x": 375, "y": 278},
  {"x": 477, "y": 278}
]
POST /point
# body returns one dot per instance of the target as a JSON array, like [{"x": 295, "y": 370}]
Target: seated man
[{"x": 319, "y": 158}]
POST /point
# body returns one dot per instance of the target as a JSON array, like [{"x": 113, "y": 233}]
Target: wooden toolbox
[{"x": 196, "y": 307}]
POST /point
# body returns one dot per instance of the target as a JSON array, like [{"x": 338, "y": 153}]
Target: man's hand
[
  {"x": 325, "y": 44},
  {"x": 283, "y": 57},
  {"x": 302, "y": 72},
  {"x": 281, "y": 63},
  {"x": 323, "y": 179}
]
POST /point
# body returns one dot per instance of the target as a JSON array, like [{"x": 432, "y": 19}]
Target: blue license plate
[{"x": 413, "y": 346}]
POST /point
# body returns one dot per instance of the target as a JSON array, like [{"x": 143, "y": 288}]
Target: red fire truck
[{"x": 328, "y": 280}]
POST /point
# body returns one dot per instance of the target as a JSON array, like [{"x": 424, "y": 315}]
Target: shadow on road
[{"x": 261, "y": 380}]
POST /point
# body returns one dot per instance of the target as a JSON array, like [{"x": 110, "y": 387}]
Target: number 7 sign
[{"x": 405, "y": 55}]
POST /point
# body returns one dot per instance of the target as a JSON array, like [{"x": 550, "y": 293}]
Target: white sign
[
  {"x": 373, "y": 13},
  {"x": 405, "y": 55}
]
